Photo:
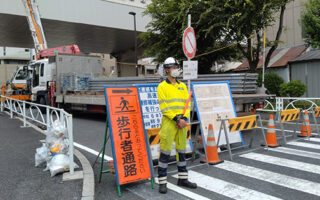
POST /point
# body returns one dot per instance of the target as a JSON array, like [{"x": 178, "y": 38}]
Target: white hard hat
[{"x": 169, "y": 62}]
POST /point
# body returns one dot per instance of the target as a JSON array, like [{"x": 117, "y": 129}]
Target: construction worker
[{"x": 173, "y": 96}]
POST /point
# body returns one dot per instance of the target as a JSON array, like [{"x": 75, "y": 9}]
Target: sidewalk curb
[
  {"x": 88, "y": 176},
  {"x": 88, "y": 188}
]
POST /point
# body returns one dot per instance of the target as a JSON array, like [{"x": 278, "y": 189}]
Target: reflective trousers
[{"x": 169, "y": 134}]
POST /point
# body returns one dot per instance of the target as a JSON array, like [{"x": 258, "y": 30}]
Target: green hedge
[{"x": 292, "y": 89}]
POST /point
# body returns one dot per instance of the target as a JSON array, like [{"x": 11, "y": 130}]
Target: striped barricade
[
  {"x": 240, "y": 124},
  {"x": 288, "y": 116},
  {"x": 316, "y": 111}
]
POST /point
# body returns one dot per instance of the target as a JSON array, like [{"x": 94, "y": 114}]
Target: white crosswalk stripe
[
  {"x": 260, "y": 174},
  {"x": 283, "y": 162},
  {"x": 225, "y": 188},
  {"x": 307, "y": 145},
  {"x": 272, "y": 177},
  {"x": 296, "y": 152},
  {"x": 184, "y": 192},
  {"x": 314, "y": 139}
]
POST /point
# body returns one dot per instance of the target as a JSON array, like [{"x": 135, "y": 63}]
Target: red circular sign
[{"x": 189, "y": 42}]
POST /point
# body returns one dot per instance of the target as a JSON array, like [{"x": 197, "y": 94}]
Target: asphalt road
[
  {"x": 20, "y": 179},
  {"x": 289, "y": 172}
]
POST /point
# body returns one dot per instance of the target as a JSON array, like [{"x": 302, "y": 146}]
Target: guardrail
[
  {"x": 240, "y": 83},
  {"x": 284, "y": 103},
  {"x": 31, "y": 113}
]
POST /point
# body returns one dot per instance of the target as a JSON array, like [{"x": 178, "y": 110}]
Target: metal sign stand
[
  {"x": 294, "y": 131},
  {"x": 103, "y": 153},
  {"x": 315, "y": 121},
  {"x": 224, "y": 127}
]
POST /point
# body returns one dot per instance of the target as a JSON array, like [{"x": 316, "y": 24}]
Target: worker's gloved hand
[
  {"x": 181, "y": 121},
  {"x": 182, "y": 124}
]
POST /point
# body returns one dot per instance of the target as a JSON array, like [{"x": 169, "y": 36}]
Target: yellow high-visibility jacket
[{"x": 173, "y": 98}]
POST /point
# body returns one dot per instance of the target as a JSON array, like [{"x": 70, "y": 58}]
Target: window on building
[
  {"x": 15, "y": 62},
  {"x": 150, "y": 71}
]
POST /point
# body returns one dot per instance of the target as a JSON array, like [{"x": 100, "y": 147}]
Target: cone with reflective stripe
[
  {"x": 211, "y": 149},
  {"x": 306, "y": 129},
  {"x": 271, "y": 135}
]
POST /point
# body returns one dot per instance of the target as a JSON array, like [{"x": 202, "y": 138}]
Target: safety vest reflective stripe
[
  {"x": 173, "y": 101},
  {"x": 173, "y": 108}
]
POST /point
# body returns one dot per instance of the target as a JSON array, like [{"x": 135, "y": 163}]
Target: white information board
[
  {"x": 213, "y": 101},
  {"x": 190, "y": 69},
  {"x": 150, "y": 106},
  {"x": 152, "y": 115}
]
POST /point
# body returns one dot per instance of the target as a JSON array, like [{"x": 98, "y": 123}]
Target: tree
[
  {"x": 217, "y": 23},
  {"x": 311, "y": 23},
  {"x": 245, "y": 19},
  {"x": 273, "y": 82},
  {"x": 164, "y": 33}
]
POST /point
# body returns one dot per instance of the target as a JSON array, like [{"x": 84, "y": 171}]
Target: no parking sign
[{"x": 189, "y": 42}]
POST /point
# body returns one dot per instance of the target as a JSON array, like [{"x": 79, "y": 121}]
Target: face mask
[{"x": 175, "y": 73}]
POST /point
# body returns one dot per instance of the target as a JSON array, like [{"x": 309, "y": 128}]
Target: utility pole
[{"x": 135, "y": 42}]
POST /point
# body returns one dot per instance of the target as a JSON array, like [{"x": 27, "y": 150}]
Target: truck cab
[
  {"x": 20, "y": 77},
  {"x": 42, "y": 76}
]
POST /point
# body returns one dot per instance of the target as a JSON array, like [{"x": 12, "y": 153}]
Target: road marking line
[
  {"x": 296, "y": 152},
  {"x": 313, "y": 139},
  {"x": 272, "y": 177},
  {"x": 91, "y": 151},
  {"x": 283, "y": 162},
  {"x": 184, "y": 192},
  {"x": 145, "y": 192},
  {"x": 307, "y": 145},
  {"x": 225, "y": 188},
  {"x": 291, "y": 131}
]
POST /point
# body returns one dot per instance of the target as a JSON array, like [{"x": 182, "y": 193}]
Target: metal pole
[
  {"x": 189, "y": 25},
  {"x": 2, "y": 103},
  {"x": 11, "y": 114},
  {"x": 135, "y": 45},
  {"x": 315, "y": 121},
  {"x": 61, "y": 117},
  {"x": 263, "y": 57},
  {"x": 70, "y": 136},
  {"x": 282, "y": 128},
  {"x": 135, "y": 42},
  {"x": 48, "y": 117},
  {"x": 227, "y": 139},
  {"x": 262, "y": 130},
  {"x": 24, "y": 114}
]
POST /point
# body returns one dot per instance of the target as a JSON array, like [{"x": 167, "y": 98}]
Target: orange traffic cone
[
  {"x": 271, "y": 135},
  {"x": 306, "y": 129},
  {"x": 211, "y": 149}
]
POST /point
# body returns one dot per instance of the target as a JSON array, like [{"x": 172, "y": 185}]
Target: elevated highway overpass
[{"x": 100, "y": 26}]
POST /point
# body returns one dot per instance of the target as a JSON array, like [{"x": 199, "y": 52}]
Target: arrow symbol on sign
[{"x": 128, "y": 91}]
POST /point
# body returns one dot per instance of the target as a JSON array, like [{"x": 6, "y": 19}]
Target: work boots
[
  {"x": 163, "y": 188},
  {"x": 186, "y": 183}
]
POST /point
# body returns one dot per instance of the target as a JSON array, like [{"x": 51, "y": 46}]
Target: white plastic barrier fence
[
  {"x": 31, "y": 114},
  {"x": 290, "y": 103}
]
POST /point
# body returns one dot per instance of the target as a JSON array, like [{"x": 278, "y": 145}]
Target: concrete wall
[
  {"x": 307, "y": 73},
  {"x": 292, "y": 32},
  {"x": 6, "y": 72}
]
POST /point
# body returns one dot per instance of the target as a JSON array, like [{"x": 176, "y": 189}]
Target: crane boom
[{"x": 35, "y": 25}]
